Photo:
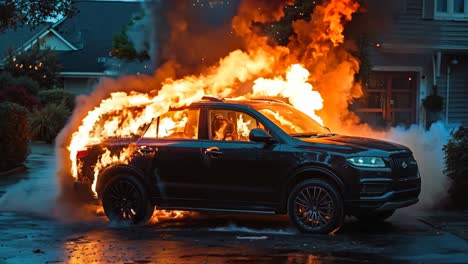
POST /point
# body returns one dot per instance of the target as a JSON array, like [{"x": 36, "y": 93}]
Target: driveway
[{"x": 30, "y": 233}]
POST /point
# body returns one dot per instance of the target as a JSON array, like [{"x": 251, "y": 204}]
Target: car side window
[
  {"x": 231, "y": 125},
  {"x": 177, "y": 124}
]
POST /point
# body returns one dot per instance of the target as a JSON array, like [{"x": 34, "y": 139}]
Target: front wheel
[
  {"x": 315, "y": 207},
  {"x": 125, "y": 199}
]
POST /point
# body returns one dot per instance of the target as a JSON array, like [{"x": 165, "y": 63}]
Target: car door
[
  {"x": 236, "y": 169},
  {"x": 177, "y": 162}
]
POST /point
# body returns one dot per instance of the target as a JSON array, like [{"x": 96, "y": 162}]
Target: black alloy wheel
[
  {"x": 125, "y": 199},
  {"x": 315, "y": 207}
]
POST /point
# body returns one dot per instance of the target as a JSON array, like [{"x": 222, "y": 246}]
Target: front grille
[{"x": 405, "y": 167}]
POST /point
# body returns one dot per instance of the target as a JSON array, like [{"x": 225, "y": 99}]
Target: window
[
  {"x": 231, "y": 125},
  {"x": 451, "y": 9},
  {"x": 179, "y": 124}
]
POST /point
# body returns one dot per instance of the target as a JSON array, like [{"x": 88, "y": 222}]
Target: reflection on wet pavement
[{"x": 30, "y": 234}]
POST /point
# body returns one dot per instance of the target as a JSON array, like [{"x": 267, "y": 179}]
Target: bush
[
  {"x": 456, "y": 167},
  {"x": 47, "y": 122},
  {"x": 19, "y": 95},
  {"x": 7, "y": 80},
  {"x": 57, "y": 96},
  {"x": 27, "y": 83},
  {"x": 433, "y": 103},
  {"x": 14, "y": 131}
]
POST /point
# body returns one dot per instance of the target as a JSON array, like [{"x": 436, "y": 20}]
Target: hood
[{"x": 358, "y": 144}]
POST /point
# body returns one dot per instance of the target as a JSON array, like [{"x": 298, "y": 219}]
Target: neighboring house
[
  {"x": 83, "y": 42},
  {"x": 425, "y": 49}
]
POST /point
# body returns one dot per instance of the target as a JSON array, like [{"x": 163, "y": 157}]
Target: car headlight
[{"x": 370, "y": 162}]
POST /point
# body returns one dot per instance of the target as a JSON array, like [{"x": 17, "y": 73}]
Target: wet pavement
[{"x": 30, "y": 234}]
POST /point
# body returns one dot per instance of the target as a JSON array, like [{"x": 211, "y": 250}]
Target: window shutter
[{"x": 428, "y": 9}]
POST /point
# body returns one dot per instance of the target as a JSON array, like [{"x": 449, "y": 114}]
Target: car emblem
[{"x": 404, "y": 165}]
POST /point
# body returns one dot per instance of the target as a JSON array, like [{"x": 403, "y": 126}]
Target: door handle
[
  {"x": 213, "y": 152},
  {"x": 147, "y": 150}
]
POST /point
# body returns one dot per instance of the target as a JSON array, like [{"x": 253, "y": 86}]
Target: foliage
[
  {"x": 14, "y": 142},
  {"x": 14, "y": 13},
  {"x": 39, "y": 64},
  {"x": 18, "y": 95},
  {"x": 57, "y": 96},
  {"x": 123, "y": 48},
  {"x": 433, "y": 103},
  {"x": 456, "y": 167},
  {"x": 47, "y": 122},
  {"x": 7, "y": 80}
]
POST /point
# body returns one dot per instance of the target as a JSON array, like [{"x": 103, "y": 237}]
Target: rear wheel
[
  {"x": 125, "y": 199},
  {"x": 315, "y": 207}
]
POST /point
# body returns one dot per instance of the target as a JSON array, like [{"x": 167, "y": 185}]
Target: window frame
[
  {"x": 157, "y": 119},
  {"x": 209, "y": 110},
  {"x": 450, "y": 14}
]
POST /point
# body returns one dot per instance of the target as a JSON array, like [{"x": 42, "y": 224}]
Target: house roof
[
  {"x": 14, "y": 39},
  {"x": 92, "y": 31},
  {"x": 88, "y": 33}
]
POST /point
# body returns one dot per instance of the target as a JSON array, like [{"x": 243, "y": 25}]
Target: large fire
[{"x": 299, "y": 73}]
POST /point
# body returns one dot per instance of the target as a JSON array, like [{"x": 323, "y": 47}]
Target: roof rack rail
[
  {"x": 212, "y": 99},
  {"x": 270, "y": 100}
]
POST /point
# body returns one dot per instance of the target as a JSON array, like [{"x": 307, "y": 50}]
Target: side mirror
[{"x": 260, "y": 135}]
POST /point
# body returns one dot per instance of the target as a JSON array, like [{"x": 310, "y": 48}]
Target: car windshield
[{"x": 292, "y": 121}]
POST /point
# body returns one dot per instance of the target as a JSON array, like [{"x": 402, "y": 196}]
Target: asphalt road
[{"x": 30, "y": 232}]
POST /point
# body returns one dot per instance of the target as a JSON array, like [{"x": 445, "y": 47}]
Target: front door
[
  {"x": 238, "y": 170},
  {"x": 389, "y": 99}
]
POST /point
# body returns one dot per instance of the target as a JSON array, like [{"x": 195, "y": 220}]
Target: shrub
[
  {"x": 7, "y": 80},
  {"x": 57, "y": 96},
  {"x": 19, "y": 95},
  {"x": 27, "y": 83},
  {"x": 47, "y": 122},
  {"x": 14, "y": 131},
  {"x": 433, "y": 103},
  {"x": 456, "y": 167}
]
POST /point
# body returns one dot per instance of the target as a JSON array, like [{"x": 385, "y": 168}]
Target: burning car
[{"x": 248, "y": 156}]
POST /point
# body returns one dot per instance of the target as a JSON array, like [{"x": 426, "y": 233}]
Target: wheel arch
[
  {"x": 109, "y": 172},
  {"x": 310, "y": 172}
]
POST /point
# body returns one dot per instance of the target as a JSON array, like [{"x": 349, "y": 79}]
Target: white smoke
[
  {"x": 427, "y": 147},
  {"x": 37, "y": 191}
]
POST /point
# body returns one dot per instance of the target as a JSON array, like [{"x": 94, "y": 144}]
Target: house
[
  {"x": 83, "y": 42},
  {"x": 421, "y": 49}
]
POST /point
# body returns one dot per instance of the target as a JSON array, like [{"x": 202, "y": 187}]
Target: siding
[
  {"x": 409, "y": 27},
  {"x": 458, "y": 97}
]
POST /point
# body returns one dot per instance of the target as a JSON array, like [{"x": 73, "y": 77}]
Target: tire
[
  {"x": 304, "y": 207},
  {"x": 370, "y": 217},
  {"x": 125, "y": 199}
]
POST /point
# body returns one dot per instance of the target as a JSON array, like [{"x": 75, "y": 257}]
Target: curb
[{"x": 13, "y": 171}]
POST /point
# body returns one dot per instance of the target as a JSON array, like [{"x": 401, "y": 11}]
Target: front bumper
[{"x": 383, "y": 194}]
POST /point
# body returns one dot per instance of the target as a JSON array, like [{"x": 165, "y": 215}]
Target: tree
[
  {"x": 38, "y": 63},
  {"x": 14, "y": 13},
  {"x": 122, "y": 46}
]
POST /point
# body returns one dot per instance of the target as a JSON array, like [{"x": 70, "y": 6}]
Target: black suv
[{"x": 252, "y": 156}]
